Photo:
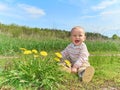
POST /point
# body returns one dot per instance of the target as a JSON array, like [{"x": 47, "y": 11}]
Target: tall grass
[
  {"x": 103, "y": 46},
  {"x": 10, "y": 45}
]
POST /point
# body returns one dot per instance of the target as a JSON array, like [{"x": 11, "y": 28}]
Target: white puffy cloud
[
  {"x": 104, "y": 4},
  {"x": 20, "y": 11},
  {"x": 31, "y": 10},
  {"x": 110, "y": 13}
]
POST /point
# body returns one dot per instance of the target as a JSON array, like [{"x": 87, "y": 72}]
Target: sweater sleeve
[{"x": 64, "y": 53}]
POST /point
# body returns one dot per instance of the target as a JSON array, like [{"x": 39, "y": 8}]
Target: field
[{"x": 24, "y": 72}]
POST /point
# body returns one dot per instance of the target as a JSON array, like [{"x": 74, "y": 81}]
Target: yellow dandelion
[
  {"x": 34, "y": 51},
  {"x": 27, "y": 52},
  {"x": 23, "y": 49},
  {"x": 59, "y": 55},
  {"x": 68, "y": 63},
  {"x": 57, "y": 59},
  {"x": 43, "y": 53}
]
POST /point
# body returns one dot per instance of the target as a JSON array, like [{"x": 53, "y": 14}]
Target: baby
[{"x": 76, "y": 52}]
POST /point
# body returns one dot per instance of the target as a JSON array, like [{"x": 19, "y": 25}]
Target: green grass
[
  {"x": 10, "y": 45},
  {"x": 107, "y": 68},
  {"x": 27, "y": 71},
  {"x": 103, "y": 46},
  {"x": 107, "y": 74}
]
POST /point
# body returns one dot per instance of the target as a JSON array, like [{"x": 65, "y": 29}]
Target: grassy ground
[
  {"x": 107, "y": 75},
  {"x": 104, "y": 57}
]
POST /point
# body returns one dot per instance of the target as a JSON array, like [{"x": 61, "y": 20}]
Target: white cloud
[
  {"x": 112, "y": 12},
  {"x": 88, "y": 16},
  {"x": 104, "y": 4},
  {"x": 3, "y": 7},
  {"x": 20, "y": 11},
  {"x": 31, "y": 10}
]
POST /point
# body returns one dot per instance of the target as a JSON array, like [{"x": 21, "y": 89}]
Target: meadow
[{"x": 36, "y": 71}]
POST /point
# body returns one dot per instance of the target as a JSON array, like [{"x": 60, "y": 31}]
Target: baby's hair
[{"x": 77, "y": 27}]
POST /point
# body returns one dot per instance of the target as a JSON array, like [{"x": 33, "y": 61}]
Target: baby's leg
[
  {"x": 86, "y": 72},
  {"x": 82, "y": 69}
]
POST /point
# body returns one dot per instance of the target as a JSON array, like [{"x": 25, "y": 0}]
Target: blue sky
[{"x": 101, "y": 16}]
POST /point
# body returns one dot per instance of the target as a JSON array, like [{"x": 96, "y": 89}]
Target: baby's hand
[{"x": 74, "y": 70}]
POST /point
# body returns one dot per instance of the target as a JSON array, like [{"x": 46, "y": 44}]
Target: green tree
[{"x": 115, "y": 37}]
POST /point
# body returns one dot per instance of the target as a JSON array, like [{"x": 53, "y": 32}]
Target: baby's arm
[
  {"x": 64, "y": 54},
  {"x": 76, "y": 66}
]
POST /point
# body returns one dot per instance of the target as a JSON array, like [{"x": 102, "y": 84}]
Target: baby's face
[{"x": 77, "y": 36}]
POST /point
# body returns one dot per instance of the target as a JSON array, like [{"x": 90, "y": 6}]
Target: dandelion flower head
[
  {"x": 68, "y": 63},
  {"x": 57, "y": 59},
  {"x": 27, "y": 52},
  {"x": 34, "y": 51},
  {"x": 43, "y": 53},
  {"x": 59, "y": 55}
]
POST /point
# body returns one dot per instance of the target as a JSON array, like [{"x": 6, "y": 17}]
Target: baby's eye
[
  {"x": 80, "y": 35},
  {"x": 74, "y": 35}
]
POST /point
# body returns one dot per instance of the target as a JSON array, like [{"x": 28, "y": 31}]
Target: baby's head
[{"x": 77, "y": 35}]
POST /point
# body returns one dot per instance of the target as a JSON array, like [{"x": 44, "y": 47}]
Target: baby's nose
[{"x": 77, "y": 36}]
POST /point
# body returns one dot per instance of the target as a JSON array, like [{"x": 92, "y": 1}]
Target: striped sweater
[{"x": 76, "y": 54}]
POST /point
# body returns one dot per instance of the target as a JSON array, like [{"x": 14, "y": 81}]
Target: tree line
[{"x": 44, "y": 33}]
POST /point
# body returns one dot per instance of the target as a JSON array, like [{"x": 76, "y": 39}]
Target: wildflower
[
  {"x": 43, "y": 53},
  {"x": 27, "y": 52},
  {"x": 34, "y": 51},
  {"x": 68, "y": 63},
  {"x": 57, "y": 59},
  {"x": 35, "y": 56},
  {"x": 58, "y": 55},
  {"x": 23, "y": 49}
]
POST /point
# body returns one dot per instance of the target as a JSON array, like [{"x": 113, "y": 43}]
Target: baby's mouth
[{"x": 77, "y": 41}]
